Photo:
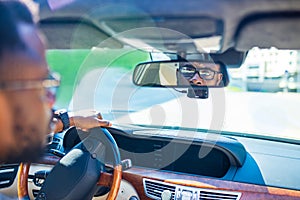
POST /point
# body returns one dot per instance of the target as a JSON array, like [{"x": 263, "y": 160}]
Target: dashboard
[
  {"x": 183, "y": 168},
  {"x": 193, "y": 157}
]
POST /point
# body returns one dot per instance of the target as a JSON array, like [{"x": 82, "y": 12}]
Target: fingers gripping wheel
[{"x": 76, "y": 175}]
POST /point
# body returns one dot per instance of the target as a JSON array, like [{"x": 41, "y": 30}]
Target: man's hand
[{"x": 85, "y": 119}]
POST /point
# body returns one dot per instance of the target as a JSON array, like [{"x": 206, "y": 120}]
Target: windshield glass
[{"x": 261, "y": 98}]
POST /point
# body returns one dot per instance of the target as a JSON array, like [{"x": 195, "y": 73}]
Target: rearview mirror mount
[{"x": 201, "y": 93}]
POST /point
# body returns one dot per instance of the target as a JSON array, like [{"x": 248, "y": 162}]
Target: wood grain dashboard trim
[{"x": 249, "y": 191}]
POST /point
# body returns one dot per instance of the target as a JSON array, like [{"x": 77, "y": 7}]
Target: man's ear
[{"x": 220, "y": 78}]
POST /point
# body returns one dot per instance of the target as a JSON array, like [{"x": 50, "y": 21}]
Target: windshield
[{"x": 261, "y": 99}]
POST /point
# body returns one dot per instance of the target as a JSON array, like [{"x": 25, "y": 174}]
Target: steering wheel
[{"x": 85, "y": 158}]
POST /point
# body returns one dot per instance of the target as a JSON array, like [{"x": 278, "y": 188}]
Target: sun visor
[
  {"x": 75, "y": 34},
  {"x": 269, "y": 30}
]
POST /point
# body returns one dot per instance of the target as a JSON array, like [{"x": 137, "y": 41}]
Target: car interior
[{"x": 186, "y": 149}]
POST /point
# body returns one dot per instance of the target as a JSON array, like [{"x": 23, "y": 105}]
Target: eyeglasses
[
  {"x": 50, "y": 84},
  {"x": 188, "y": 71}
]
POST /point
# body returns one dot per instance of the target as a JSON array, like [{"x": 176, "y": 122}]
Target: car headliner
[{"x": 242, "y": 23}]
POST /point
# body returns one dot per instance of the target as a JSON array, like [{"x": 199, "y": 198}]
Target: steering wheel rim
[
  {"x": 23, "y": 172},
  {"x": 22, "y": 181}
]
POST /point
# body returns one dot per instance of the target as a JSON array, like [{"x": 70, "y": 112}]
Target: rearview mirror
[{"x": 180, "y": 74}]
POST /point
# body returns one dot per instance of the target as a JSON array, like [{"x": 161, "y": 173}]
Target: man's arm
[{"x": 83, "y": 120}]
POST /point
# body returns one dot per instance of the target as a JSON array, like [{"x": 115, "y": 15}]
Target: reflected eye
[
  {"x": 206, "y": 74},
  {"x": 187, "y": 71}
]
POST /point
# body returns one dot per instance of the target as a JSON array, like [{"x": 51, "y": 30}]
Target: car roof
[{"x": 232, "y": 24}]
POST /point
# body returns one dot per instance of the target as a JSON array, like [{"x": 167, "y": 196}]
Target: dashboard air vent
[
  {"x": 218, "y": 195},
  {"x": 7, "y": 175},
  {"x": 154, "y": 189}
]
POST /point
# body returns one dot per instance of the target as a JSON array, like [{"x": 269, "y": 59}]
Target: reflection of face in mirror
[
  {"x": 199, "y": 73},
  {"x": 181, "y": 74}
]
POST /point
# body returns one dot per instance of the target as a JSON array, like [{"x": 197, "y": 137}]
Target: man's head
[
  {"x": 25, "y": 109},
  {"x": 200, "y": 74}
]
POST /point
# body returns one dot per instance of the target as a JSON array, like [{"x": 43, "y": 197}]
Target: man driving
[{"x": 28, "y": 89}]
